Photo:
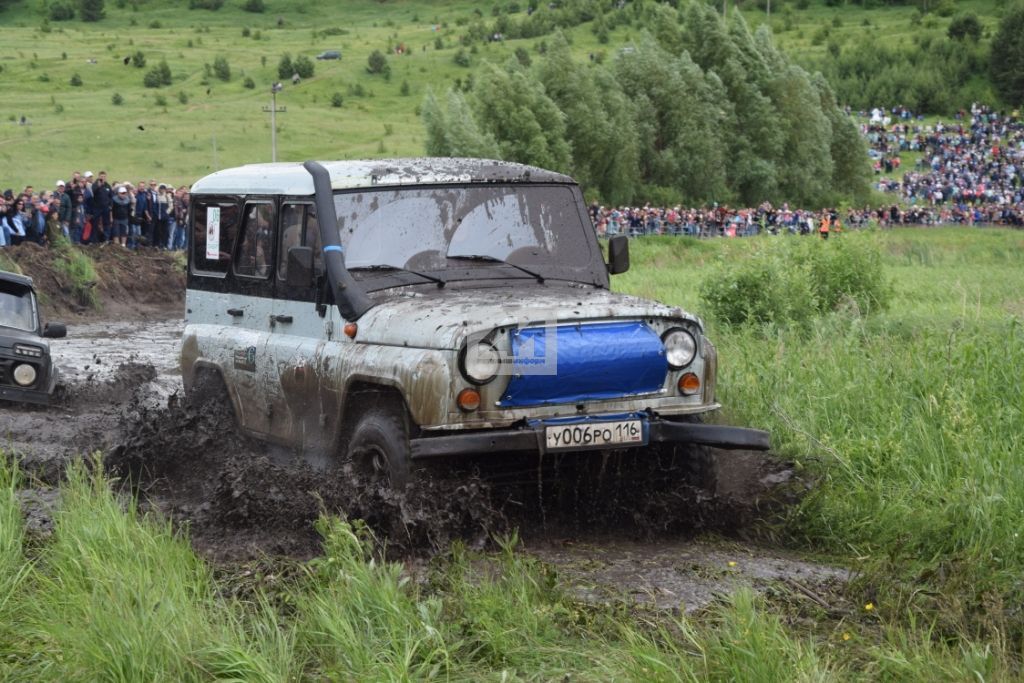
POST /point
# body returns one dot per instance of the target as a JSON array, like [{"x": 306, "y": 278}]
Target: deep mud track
[{"x": 616, "y": 526}]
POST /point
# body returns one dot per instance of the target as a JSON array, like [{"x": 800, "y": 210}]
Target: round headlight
[
  {"x": 25, "y": 375},
  {"x": 680, "y": 347},
  {"x": 480, "y": 362}
]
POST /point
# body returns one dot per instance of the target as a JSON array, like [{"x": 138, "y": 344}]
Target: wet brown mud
[{"x": 625, "y": 521}]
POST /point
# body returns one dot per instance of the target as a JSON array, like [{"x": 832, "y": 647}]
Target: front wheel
[{"x": 379, "y": 445}]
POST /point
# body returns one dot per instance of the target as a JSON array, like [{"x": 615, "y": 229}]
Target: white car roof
[{"x": 292, "y": 179}]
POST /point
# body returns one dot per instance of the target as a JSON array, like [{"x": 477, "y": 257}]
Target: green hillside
[{"x": 199, "y": 123}]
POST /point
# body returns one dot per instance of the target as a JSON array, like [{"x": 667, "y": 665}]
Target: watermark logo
[{"x": 527, "y": 346}]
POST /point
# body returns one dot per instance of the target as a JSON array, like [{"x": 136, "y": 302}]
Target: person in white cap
[
  {"x": 64, "y": 212},
  {"x": 121, "y": 208}
]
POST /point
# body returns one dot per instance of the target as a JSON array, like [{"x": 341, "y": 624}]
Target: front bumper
[
  {"x": 531, "y": 439},
  {"x": 19, "y": 395}
]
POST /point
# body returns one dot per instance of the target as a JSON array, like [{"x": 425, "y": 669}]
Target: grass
[
  {"x": 79, "y": 272},
  {"x": 910, "y": 420},
  {"x": 199, "y": 123}
]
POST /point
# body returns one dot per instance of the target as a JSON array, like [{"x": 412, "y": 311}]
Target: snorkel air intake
[{"x": 351, "y": 299}]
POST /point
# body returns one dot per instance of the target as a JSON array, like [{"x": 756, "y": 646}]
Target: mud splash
[
  {"x": 614, "y": 525},
  {"x": 241, "y": 498}
]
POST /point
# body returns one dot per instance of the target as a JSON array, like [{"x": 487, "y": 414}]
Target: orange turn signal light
[
  {"x": 350, "y": 330},
  {"x": 689, "y": 384},
  {"x": 468, "y": 400}
]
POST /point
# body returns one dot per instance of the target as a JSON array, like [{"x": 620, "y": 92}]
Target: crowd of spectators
[
  {"x": 968, "y": 170},
  {"x": 91, "y": 210}
]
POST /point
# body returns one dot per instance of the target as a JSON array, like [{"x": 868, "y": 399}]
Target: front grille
[{"x": 594, "y": 361}]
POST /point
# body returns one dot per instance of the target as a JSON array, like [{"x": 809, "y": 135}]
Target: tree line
[{"x": 696, "y": 109}]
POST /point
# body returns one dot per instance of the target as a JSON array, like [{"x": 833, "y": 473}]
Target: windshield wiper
[
  {"x": 433, "y": 278},
  {"x": 495, "y": 259}
]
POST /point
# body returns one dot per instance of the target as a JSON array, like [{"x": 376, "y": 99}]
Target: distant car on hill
[{"x": 329, "y": 54}]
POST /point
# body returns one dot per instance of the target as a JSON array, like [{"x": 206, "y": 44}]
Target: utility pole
[{"x": 273, "y": 109}]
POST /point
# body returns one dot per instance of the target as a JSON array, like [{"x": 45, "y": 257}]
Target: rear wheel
[{"x": 379, "y": 445}]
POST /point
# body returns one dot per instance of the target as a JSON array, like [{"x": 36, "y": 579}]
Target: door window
[{"x": 254, "y": 254}]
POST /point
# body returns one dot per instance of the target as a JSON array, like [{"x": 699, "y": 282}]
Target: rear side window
[
  {"x": 254, "y": 255},
  {"x": 214, "y": 230}
]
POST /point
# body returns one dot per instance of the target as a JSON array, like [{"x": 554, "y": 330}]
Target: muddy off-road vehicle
[
  {"x": 27, "y": 374},
  {"x": 392, "y": 311}
]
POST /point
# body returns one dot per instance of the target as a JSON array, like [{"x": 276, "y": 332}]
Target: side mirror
[
  {"x": 300, "y": 267},
  {"x": 55, "y": 330},
  {"x": 618, "y": 254}
]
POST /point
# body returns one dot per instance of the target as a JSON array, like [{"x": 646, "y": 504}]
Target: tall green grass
[
  {"x": 117, "y": 595},
  {"x": 910, "y": 419},
  {"x": 78, "y": 272}
]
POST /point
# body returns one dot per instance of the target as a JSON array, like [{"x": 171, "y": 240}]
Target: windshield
[
  {"x": 428, "y": 228},
  {"x": 16, "y": 308}
]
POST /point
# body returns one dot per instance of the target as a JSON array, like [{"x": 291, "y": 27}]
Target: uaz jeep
[
  {"x": 399, "y": 310},
  {"x": 26, "y": 371}
]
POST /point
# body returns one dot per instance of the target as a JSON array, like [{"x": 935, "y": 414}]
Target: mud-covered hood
[{"x": 442, "y": 319}]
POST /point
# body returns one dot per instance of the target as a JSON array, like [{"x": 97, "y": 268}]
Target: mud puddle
[
  {"x": 681, "y": 575},
  {"x": 617, "y": 526}
]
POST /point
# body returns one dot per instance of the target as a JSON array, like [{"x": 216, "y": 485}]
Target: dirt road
[{"x": 617, "y": 528}]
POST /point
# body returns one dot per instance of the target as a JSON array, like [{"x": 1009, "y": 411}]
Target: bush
[
  {"x": 248, "y": 83},
  {"x": 160, "y": 101},
  {"x": 62, "y": 12},
  {"x": 789, "y": 283},
  {"x": 255, "y": 6},
  {"x": 303, "y": 66},
  {"x": 116, "y": 99},
  {"x": 221, "y": 68},
  {"x": 377, "y": 63},
  {"x": 138, "y": 59},
  {"x": 183, "y": 97},
  {"x": 212, "y": 5},
  {"x": 76, "y": 80},
  {"x": 461, "y": 58},
  {"x": 964, "y": 26},
  {"x": 90, "y": 10},
  {"x": 285, "y": 68},
  {"x": 336, "y": 100},
  {"x": 158, "y": 76}
]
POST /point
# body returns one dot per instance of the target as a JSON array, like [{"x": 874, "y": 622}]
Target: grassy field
[
  {"x": 909, "y": 419},
  {"x": 199, "y": 123}
]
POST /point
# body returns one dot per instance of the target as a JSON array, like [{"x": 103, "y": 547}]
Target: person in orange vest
[
  {"x": 837, "y": 226},
  {"x": 823, "y": 230}
]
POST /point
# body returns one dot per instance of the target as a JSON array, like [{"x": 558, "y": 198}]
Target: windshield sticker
[{"x": 213, "y": 233}]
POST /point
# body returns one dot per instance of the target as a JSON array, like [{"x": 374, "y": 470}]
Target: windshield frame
[{"x": 590, "y": 271}]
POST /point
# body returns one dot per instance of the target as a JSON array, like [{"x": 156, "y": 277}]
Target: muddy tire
[
  {"x": 379, "y": 445},
  {"x": 208, "y": 394}
]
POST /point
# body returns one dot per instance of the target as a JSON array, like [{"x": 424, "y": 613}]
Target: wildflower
[
  {"x": 846, "y": 636},
  {"x": 732, "y": 563},
  {"x": 869, "y": 607}
]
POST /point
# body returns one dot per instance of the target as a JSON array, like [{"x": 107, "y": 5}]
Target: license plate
[{"x": 594, "y": 434}]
